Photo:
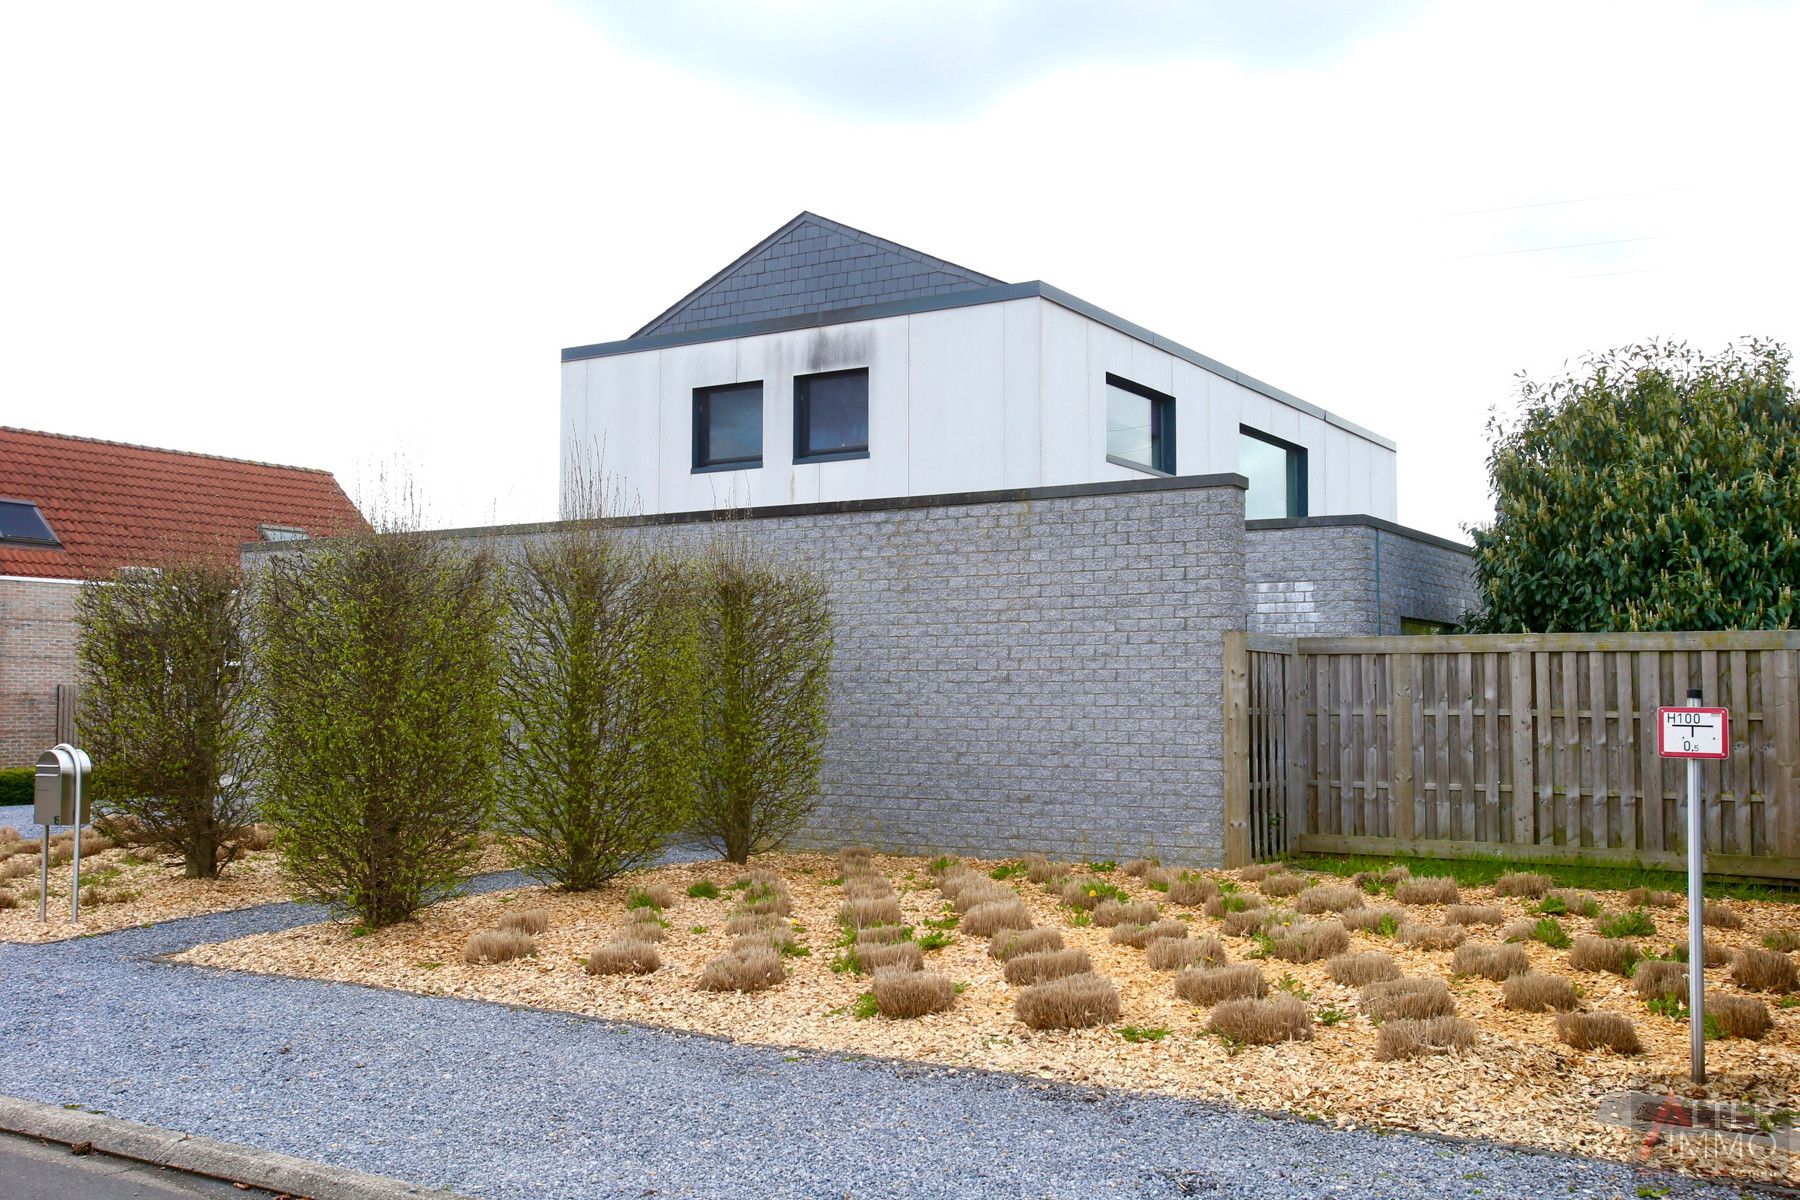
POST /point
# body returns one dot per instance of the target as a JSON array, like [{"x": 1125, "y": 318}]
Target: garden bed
[{"x": 1517, "y": 1082}]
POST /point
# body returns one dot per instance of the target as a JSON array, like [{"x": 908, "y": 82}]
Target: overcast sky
[{"x": 355, "y": 236}]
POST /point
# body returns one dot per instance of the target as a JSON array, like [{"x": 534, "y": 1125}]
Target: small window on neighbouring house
[
  {"x": 1277, "y": 474},
  {"x": 831, "y": 416},
  {"x": 728, "y": 427},
  {"x": 282, "y": 533},
  {"x": 1140, "y": 426},
  {"x": 22, "y": 522}
]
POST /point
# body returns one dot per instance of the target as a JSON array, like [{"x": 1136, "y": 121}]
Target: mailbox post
[{"x": 57, "y": 800}]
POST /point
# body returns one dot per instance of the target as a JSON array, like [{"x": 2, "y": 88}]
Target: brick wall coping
[{"x": 1381, "y": 523}]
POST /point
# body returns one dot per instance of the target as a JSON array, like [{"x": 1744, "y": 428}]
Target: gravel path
[
  {"x": 18, "y": 816},
  {"x": 510, "y": 1103}
]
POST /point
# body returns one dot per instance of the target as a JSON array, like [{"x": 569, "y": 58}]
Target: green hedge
[{"x": 15, "y": 785}]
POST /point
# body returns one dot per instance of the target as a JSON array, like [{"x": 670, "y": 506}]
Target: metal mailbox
[{"x": 60, "y": 774}]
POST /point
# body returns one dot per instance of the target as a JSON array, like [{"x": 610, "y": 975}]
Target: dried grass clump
[
  {"x": 1282, "y": 885},
  {"x": 1008, "y": 944},
  {"x": 969, "y": 899},
  {"x": 740, "y": 925},
  {"x": 497, "y": 946},
  {"x": 1040, "y": 871},
  {"x": 1311, "y": 942},
  {"x": 1404, "y": 1039},
  {"x": 1473, "y": 914},
  {"x": 1535, "y": 991},
  {"x": 1041, "y": 966},
  {"x": 746, "y": 968},
  {"x": 1243, "y": 924},
  {"x": 1498, "y": 963},
  {"x": 1523, "y": 883},
  {"x": 1210, "y": 985},
  {"x": 1072, "y": 1002},
  {"x": 1575, "y": 900},
  {"x": 1427, "y": 889},
  {"x": 871, "y": 934},
  {"x": 1366, "y": 919},
  {"x": 1602, "y": 954},
  {"x": 624, "y": 958},
  {"x": 643, "y": 931},
  {"x": 1783, "y": 941},
  {"x": 1138, "y": 868},
  {"x": 1720, "y": 915},
  {"x": 1137, "y": 936},
  {"x": 853, "y": 854},
  {"x": 1763, "y": 971},
  {"x": 902, "y": 994},
  {"x": 1215, "y": 905},
  {"x": 868, "y": 887},
  {"x": 654, "y": 895},
  {"x": 1737, "y": 1016},
  {"x": 1172, "y": 954},
  {"x": 986, "y": 919},
  {"x": 858, "y": 914},
  {"x": 1411, "y": 998},
  {"x": 8, "y": 900},
  {"x": 1261, "y": 1022},
  {"x": 1190, "y": 889},
  {"x": 1360, "y": 970},
  {"x": 1328, "y": 897},
  {"x": 1643, "y": 897},
  {"x": 1257, "y": 872},
  {"x": 1658, "y": 979},
  {"x": 883, "y": 956},
  {"x": 18, "y": 868},
  {"x": 1598, "y": 1031},
  {"x": 256, "y": 838},
  {"x": 1431, "y": 937},
  {"x": 1078, "y": 893},
  {"x": 1110, "y": 912},
  {"x": 767, "y": 903},
  {"x": 528, "y": 920},
  {"x": 1518, "y": 931}
]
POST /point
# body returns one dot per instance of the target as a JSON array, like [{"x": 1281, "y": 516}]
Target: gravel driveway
[{"x": 500, "y": 1102}]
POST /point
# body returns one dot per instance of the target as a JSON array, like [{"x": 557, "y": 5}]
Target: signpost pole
[{"x": 1696, "y": 840}]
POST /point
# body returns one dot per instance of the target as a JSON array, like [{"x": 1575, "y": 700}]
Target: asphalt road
[{"x": 32, "y": 1170}]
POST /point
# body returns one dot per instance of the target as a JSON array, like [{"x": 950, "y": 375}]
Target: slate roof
[
  {"x": 113, "y": 505},
  {"x": 813, "y": 264}
]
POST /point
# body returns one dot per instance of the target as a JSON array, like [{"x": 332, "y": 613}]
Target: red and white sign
[{"x": 1693, "y": 732}]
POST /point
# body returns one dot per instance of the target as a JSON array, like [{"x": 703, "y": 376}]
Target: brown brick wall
[{"x": 37, "y": 652}]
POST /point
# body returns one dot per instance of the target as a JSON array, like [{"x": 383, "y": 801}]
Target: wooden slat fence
[{"x": 1533, "y": 747}]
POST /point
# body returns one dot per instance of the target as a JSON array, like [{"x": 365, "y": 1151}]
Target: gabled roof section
[
  {"x": 113, "y": 505},
  {"x": 813, "y": 264}
]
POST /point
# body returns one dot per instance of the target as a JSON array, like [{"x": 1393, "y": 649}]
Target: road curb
[{"x": 279, "y": 1173}]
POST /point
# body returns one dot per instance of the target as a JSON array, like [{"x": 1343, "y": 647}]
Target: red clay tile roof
[{"x": 112, "y": 505}]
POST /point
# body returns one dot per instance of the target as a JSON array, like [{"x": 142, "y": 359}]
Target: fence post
[
  {"x": 1400, "y": 740},
  {"x": 1236, "y": 750},
  {"x": 1785, "y": 692},
  {"x": 1524, "y": 799}
]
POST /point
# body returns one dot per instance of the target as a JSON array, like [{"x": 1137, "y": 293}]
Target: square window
[
  {"x": 728, "y": 427},
  {"x": 22, "y": 521},
  {"x": 1277, "y": 474},
  {"x": 1140, "y": 426},
  {"x": 831, "y": 416}
]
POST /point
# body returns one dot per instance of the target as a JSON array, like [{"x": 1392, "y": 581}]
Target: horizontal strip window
[{"x": 728, "y": 427}]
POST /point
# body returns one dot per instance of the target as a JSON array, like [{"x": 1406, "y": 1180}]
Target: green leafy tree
[
  {"x": 164, "y": 711},
  {"x": 377, "y": 662},
  {"x": 1659, "y": 489},
  {"x": 766, "y": 642},
  {"x": 600, "y": 707}
]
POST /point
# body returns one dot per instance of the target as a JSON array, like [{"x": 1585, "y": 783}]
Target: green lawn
[{"x": 1478, "y": 871}]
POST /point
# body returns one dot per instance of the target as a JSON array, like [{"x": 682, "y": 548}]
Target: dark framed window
[
  {"x": 831, "y": 416},
  {"x": 23, "y": 523},
  {"x": 1140, "y": 426},
  {"x": 728, "y": 427},
  {"x": 1277, "y": 474}
]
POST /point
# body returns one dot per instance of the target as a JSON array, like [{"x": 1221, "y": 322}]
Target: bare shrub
[
  {"x": 1328, "y": 897},
  {"x": 527, "y": 920},
  {"x": 986, "y": 919},
  {"x": 1602, "y": 954},
  {"x": 1411, "y": 997},
  {"x": 1431, "y": 937},
  {"x": 1210, "y": 985},
  {"x": 1535, "y": 991},
  {"x": 1657, "y": 979},
  {"x": 1598, "y": 1031},
  {"x": 1498, "y": 963},
  {"x": 881, "y": 956},
  {"x": 498, "y": 946},
  {"x": 1282, "y": 885},
  {"x": 1366, "y": 919},
  {"x": 1720, "y": 915},
  {"x": 1310, "y": 942},
  {"x": 1737, "y": 1016},
  {"x": 901, "y": 994},
  {"x": 1643, "y": 897},
  {"x": 1410, "y": 1039},
  {"x": 1757, "y": 970},
  {"x": 1110, "y": 912},
  {"x": 1427, "y": 889},
  {"x": 858, "y": 913},
  {"x": 1215, "y": 905},
  {"x": 1041, "y": 966},
  {"x": 1190, "y": 889},
  {"x": 1172, "y": 954},
  {"x": 744, "y": 969},
  {"x": 1360, "y": 970},
  {"x": 1261, "y": 1022},
  {"x": 1523, "y": 883},
  {"x": 1008, "y": 944},
  {"x": 1072, "y": 1002},
  {"x": 624, "y": 958},
  {"x": 875, "y": 934},
  {"x": 1252, "y": 920},
  {"x": 1473, "y": 914}
]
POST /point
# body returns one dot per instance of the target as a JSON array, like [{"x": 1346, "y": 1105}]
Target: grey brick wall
[
  {"x": 37, "y": 652},
  {"x": 815, "y": 266},
  {"x": 1351, "y": 577}
]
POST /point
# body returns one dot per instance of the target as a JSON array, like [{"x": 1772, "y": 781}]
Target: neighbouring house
[{"x": 75, "y": 509}]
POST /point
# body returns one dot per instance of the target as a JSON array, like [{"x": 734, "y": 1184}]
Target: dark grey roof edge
[
  {"x": 966, "y": 299},
  {"x": 1363, "y": 519},
  {"x": 793, "y": 223},
  {"x": 1110, "y": 487}
]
